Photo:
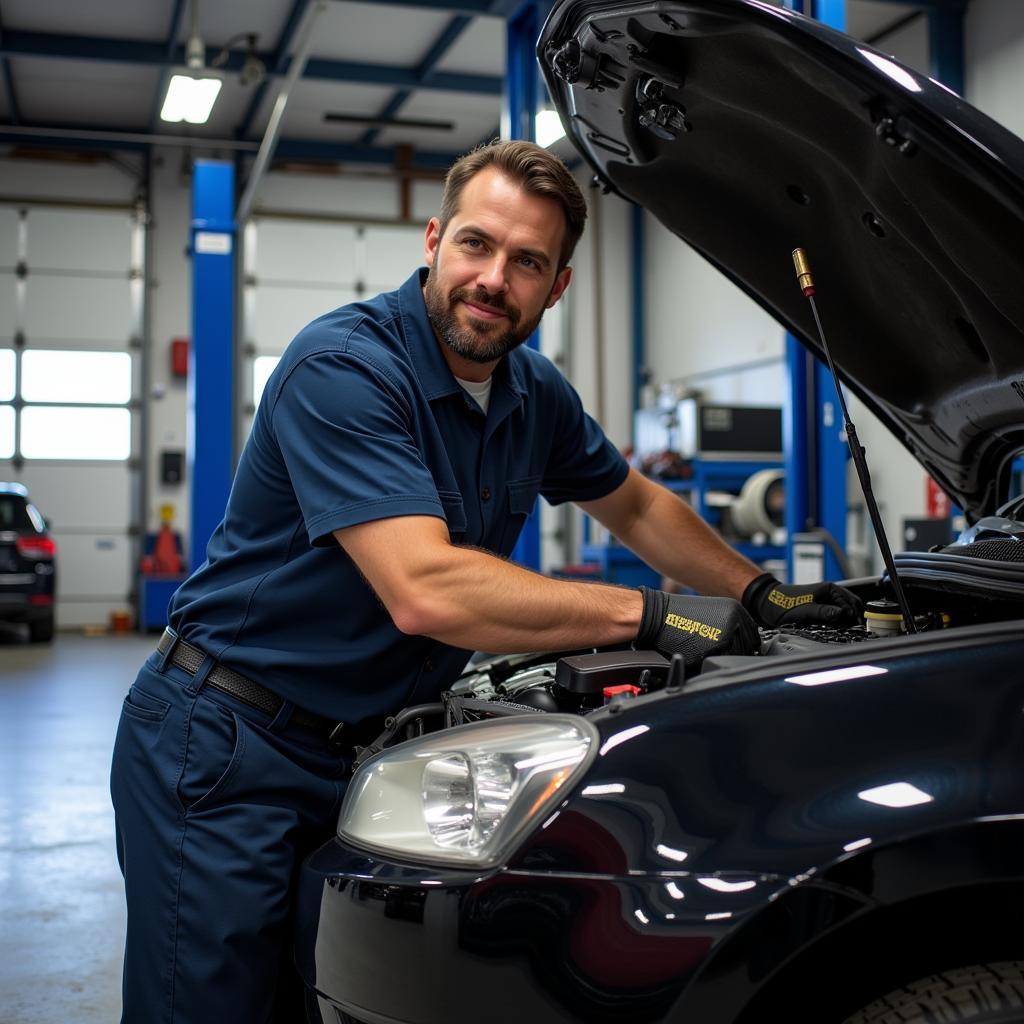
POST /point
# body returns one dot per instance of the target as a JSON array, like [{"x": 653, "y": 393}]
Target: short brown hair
[{"x": 539, "y": 172}]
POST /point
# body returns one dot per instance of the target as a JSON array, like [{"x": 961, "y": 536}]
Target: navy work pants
[{"x": 216, "y": 806}]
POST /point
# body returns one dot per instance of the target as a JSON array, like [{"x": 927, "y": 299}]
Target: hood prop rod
[{"x": 803, "y": 273}]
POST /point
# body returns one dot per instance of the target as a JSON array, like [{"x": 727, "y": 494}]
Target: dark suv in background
[{"x": 27, "y": 564}]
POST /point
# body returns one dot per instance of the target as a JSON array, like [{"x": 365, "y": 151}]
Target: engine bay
[{"x": 580, "y": 682}]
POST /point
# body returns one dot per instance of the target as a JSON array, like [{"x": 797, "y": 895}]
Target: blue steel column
[
  {"x": 797, "y": 432},
  {"x": 833, "y": 453},
  {"x": 211, "y": 374},
  {"x": 815, "y": 449},
  {"x": 797, "y": 441},
  {"x": 522, "y": 95}
]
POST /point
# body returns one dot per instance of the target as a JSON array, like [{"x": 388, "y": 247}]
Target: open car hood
[{"x": 749, "y": 130}]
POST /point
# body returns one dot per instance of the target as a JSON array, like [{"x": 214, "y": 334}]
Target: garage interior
[{"x": 320, "y": 163}]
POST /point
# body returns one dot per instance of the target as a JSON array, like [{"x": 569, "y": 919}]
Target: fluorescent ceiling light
[
  {"x": 190, "y": 99},
  {"x": 547, "y": 126},
  {"x": 896, "y": 794}
]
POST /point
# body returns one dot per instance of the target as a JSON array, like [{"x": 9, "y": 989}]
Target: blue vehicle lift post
[
  {"x": 815, "y": 447},
  {"x": 813, "y": 439},
  {"x": 522, "y": 98},
  {"x": 211, "y": 385}
]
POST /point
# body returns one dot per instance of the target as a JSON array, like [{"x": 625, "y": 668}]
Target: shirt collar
[{"x": 425, "y": 350}]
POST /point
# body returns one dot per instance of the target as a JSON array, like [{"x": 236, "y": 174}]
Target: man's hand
[
  {"x": 779, "y": 604},
  {"x": 695, "y": 627}
]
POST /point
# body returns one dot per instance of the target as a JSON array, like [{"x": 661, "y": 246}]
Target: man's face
[{"x": 493, "y": 273}]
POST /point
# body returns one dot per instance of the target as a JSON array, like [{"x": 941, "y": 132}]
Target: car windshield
[{"x": 14, "y": 514}]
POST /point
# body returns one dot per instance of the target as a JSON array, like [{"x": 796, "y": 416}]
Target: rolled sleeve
[{"x": 343, "y": 427}]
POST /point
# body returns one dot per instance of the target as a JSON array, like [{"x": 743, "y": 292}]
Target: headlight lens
[{"x": 462, "y": 796}]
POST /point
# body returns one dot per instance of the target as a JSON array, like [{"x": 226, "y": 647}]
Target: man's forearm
[
  {"x": 673, "y": 539},
  {"x": 475, "y": 600}
]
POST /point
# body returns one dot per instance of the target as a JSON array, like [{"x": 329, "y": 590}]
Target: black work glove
[
  {"x": 695, "y": 627},
  {"x": 787, "y": 604}
]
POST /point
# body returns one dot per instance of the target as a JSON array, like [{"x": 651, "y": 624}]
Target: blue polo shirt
[{"x": 363, "y": 420}]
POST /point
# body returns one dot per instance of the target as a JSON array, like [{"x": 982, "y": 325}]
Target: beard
[{"x": 481, "y": 341}]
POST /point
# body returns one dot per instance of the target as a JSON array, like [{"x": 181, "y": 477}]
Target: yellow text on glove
[
  {"x": 693, "y": 626},
  {"x": 779, "y": 598}
]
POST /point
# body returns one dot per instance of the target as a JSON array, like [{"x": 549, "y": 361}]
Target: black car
[
  {"x": 831, "y": 829},
  {"x": 27, "y": 564}
]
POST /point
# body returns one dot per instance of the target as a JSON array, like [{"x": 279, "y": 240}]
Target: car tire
[
  {"x": 41, "y": 631},
  {"x": 978, "y": 994}
]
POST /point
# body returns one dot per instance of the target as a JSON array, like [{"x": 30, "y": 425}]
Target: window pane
[
  {"x": 262, "y": 368},
  {"x": 6, "y": 431},
  {"x": 49, "y": 432},
  {"x": 6, "y": 374},
  {"x": 92, "y": 377}
]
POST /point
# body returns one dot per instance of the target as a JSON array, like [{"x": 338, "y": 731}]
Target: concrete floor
[{"x": 61, "y": 902}]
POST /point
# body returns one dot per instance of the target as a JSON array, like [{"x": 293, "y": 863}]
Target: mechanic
[{"x": 394, "y": 458}]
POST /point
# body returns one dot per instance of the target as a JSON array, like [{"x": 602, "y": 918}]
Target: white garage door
[
  {"x": 71, "y": 297},
  {"x": 297, "y": 270}
]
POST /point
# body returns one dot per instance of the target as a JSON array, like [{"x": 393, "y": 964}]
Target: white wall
[
  {"x": 609, "y": 226},
  {"x": 699, "y": 322},
  {"x": 995, "y": 60},
  {"x": 170, "y": 316}
]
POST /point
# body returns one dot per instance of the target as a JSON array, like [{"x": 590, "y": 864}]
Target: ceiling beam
[
  {"x": 441, "y": 45},
  {"x": 13, "y": 111},
  {"x": 78, "y": 137},
  {"x": 276, "y": 65},
  {"x": 353, "y": 152},
  {"x": 272, "y": 134},
  {"x": 121, "y": 51}
]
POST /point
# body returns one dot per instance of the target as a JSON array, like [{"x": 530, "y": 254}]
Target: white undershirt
[{"x": 479, "y": 391}]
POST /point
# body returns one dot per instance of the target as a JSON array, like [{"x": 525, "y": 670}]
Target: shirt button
[
  {"x": 486, "y": 494},
  {"x": 428, "y": 665}
]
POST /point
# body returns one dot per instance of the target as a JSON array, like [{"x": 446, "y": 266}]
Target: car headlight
[{"x": 463, "y": 795}]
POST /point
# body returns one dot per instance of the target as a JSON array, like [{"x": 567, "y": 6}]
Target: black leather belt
[{"x": 190, "y": 658}]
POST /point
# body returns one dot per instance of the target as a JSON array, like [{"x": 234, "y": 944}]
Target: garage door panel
[
  {"x": 8, "y": 313},
  {"x": 82, "y": 240},
  {"x": 65, "y": 308},
  {"x": 93, "y": 496},
  {"x": 279, "y": 313},
  {"x": 92, "y": 565},
  {"x": 8, "y": 238},
  {"x": 391, "y": 256},
  {"x": 301, "y": 252}
]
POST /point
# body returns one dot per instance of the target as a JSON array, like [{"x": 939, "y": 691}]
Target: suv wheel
[
  {"x": 979, "y": 994},
  {"x": 41, "y": 631}
]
